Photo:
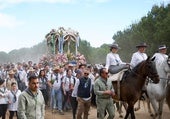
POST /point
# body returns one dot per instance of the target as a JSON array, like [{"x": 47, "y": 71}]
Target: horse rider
[
  {"x": 114, "y": 65},
  {"x": 112, "y": 58},
  {"x": 161, "y": 55},
  {"x": 140, "y": 55}
]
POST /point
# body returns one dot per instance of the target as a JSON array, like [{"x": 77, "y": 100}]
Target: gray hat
[
  {"x": 116, "y": 46},
  {"x": 78, "y": 71},
  {"x": 2, "y": 81},
  {"x": 162, "y": 47},
  {"x": 141, "y": 45}
]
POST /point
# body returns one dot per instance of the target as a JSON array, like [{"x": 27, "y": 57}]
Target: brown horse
[{"x": 133, "y": 81}]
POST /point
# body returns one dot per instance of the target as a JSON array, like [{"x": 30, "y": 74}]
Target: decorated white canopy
[{"x": 56, "y": 40}]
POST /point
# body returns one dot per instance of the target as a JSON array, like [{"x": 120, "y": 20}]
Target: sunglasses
[{"x": 86, "y": 73}]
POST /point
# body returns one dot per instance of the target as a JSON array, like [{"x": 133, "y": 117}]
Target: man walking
[
  {"x": 104, "y": 93},
  {"x": 31, "y": 102}
]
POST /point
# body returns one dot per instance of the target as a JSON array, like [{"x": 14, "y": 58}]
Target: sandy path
[{"x": 141, "y": 114}]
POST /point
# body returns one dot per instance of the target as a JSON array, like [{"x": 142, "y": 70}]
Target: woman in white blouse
[
  {"x": 13, "y": 100},
  {"x": 140, "y": 55},
  {"x": 3, "y": 98},
  {"x": 113, "y": 59}
]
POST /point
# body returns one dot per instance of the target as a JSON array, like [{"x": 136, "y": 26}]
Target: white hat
[
  {"x": 116, "y": 46},
  {"x": 162, "y": 47}
]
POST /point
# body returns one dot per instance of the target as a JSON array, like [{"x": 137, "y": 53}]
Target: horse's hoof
[
  {"x": 136, "y": 109},
  {"x": 120, "y": 116}
]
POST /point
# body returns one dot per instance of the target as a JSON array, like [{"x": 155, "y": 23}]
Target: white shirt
[
  {"x": 113, "y": 59},
  {"x": 137, "y": 57},
  {"x": 159, "y": 58},
  {"x": 57, "y": 80},
  {"x": 67, "y": 82},
  {"x": 4, "y": 92},
  {"x": 91, "y": 76},
  {"x": 74, "y": 92},
  {"x": 22, "y": 76},
  {"x": 13, "y": 105}
]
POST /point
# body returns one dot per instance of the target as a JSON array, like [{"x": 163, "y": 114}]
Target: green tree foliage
[
  {"x": 4, "y": 58},
  {"x": 154, "y": 29}
]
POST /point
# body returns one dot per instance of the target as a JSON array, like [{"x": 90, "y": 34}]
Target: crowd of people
[
  {"x": 22, "y": 84},
  {"x": 27, "y": 89}
]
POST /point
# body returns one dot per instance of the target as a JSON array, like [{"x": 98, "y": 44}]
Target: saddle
[
  {"x": 116, "y": 72},
  {"x": 113, "y": 69}
]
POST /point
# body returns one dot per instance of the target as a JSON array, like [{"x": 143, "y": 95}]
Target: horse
[
  {"x": 132, "y": 83},
  {"x": 157, "y": 92}
]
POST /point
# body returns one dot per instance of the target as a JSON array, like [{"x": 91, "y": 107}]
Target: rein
[
  {"x": 165, "y": 78},
  {"x": 168, "y": 79}
]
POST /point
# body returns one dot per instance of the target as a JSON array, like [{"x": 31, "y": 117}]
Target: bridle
[{"x": 150, "y": 75}]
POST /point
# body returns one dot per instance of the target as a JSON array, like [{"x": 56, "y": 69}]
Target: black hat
[
  {"x": 162, "y": 47},
  {"x": 141, "y": 45},
  {"x": 116, "y": 46},
  {"x": 2, "y": 81}
]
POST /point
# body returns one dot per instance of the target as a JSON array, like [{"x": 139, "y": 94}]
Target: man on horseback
[
  {"x": 140, "y": 55},
  {"x": 161, "y": 55}
]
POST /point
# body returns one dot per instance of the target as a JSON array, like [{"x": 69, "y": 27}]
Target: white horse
[
  {"x": 168, "y": 94},
  {"x": 157, "y": 92}
]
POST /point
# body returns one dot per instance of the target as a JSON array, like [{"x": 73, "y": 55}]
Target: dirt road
[{"x": 141, "y": 114}]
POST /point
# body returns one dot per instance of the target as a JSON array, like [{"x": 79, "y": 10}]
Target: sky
[{"x": 24, "y": 23}]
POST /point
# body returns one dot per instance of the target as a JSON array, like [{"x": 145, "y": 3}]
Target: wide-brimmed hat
[
  {"x": 31, "y": 69},
  {"x": 1, "y": 81},
  {"x": 11, "y": 72},
  {"x": 14, "y": 70},
  {"x": 141, "y": 45},
  {"x": 56, "y": 68},
  {"x": 116, "y": 46},
  {"x": 162, "y": 47}
]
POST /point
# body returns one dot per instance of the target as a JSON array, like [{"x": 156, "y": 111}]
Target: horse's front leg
[
  {"x": 160, "y": 109},
  {"x": 132, "y": 113},
  {"x": 155, "y": 107},
  {"x": 127, "y": 112},
  {"x": 149, "y": 106},
  {"x": 130, "y": 110}
]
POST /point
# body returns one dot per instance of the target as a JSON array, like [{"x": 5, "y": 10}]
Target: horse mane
[{"x": 137, "y": 66}]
